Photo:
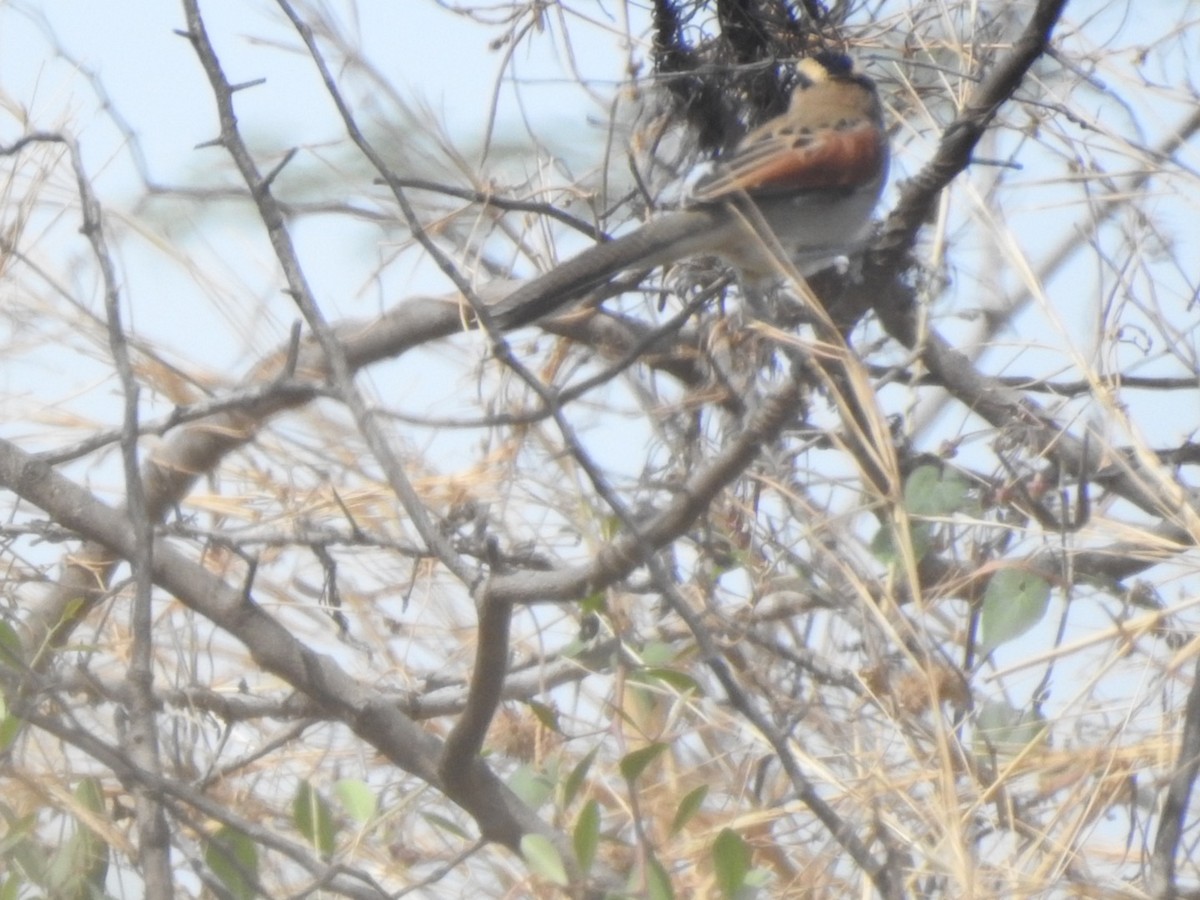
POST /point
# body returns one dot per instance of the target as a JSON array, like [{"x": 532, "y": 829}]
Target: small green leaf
[
  {"x": 757, "y": 878},
  {"x": 688, "y": 807},
  {"x": 731, "y": 861},
  {"x": 532, "y": 786},
  {"x": 90, "y": 795},
  {"x": 547, "y": 716},
  {"x": 578, "y": 775},
  {"x": 72, "y": 608},
  {"x": 12, "y": 652},
  {"x": 681, "y": 681},
  {"x": 19, "y": 848},
  {"x": 610, "y": 527},
  {"x": 935, "y": 491},
  {"x": 313, "y": 819},
  {"x": 10, "y": 729},
  {"x": 929, "y": 491},
  {"x": 357, "y": 799},
  {"x": 593, "y": 604},
  {"x": 80, "y": 863},
  {"x": 884, "y": 545},
  {"x": 18, "y": 830},
  {"x": 11, "y": 888},
  {"x": 658, "y": 883},
  {"x": 642, "y": 701},
  {"x": 1015, "y": 601},
  {"x": 233, "y": 858},
  {"x": 587, "y": 834},
  {"x": 446, "y": 825},
  {"x": 635, "y": 763},
  {"x": 657, "y": 653},
  {"x": 1005, "y": 731},
  {"x": 542, "y": 858}
]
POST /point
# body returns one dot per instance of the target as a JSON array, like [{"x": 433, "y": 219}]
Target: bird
[{"x": 804, "y": 182}]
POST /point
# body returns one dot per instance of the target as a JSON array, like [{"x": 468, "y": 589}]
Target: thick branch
[{"x": 920, "y": 194}]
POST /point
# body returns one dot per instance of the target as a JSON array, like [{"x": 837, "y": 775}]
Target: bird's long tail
[{"x": 663, "y": 240}]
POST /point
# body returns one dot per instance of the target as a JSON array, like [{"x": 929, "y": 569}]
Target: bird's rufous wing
[{"x": 788, "y": 160}]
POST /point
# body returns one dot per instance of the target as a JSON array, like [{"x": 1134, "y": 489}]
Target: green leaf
[
  {"x": 446, "y": 825},
  {"x": 731, "y": 861},
  {"x": 593, "y": 604},
  {"x": 1005, "y": 731},
  {"x": 757, "y": 878},
  {"x": 10, "y": 729},
  {"x": 935, "y": 491},
  {"x": 658, "y": 883},
  {"x": 635, "y": 763},
  {"x": 1015, "y": 601},
  {"x": 357, "y": 798},
  {"x": 587, "y": 834},
  {"x": 610, "y": 527},
  {"x": 642, "y": 702},
  {"x": 93, "y": 851},
  {"x": 313, "y": 818},
  {"x": 884, "y": 547},
  {"x": 90, "y": 795},
  {"x": 12, "y": 652},
  {"x": 929, "y": 491},
  {"x": 18, "y": 830},
  {"x": 79, "y": 866},
  {"x": 681, "y": 681},
  {"x": 233, "y": 858},
  {"x": 531, "y": 786},
  {"x": 657, "y": 653},
  {"x": 578, "y": 775},
  {"x": 547, "y": 716},
  {"x": 19, "y": 847},
  {"x": 688, "y": 807},
  {"x": 11, "y": 888},
  {"x": 542, "y": 858}
]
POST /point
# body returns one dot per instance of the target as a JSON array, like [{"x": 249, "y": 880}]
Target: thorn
[
  {"x": 234, "y": 88},
  {"x": 265, "y": 184}
]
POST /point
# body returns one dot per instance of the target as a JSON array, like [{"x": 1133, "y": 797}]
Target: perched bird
[{"x": 805, "y": 181}]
